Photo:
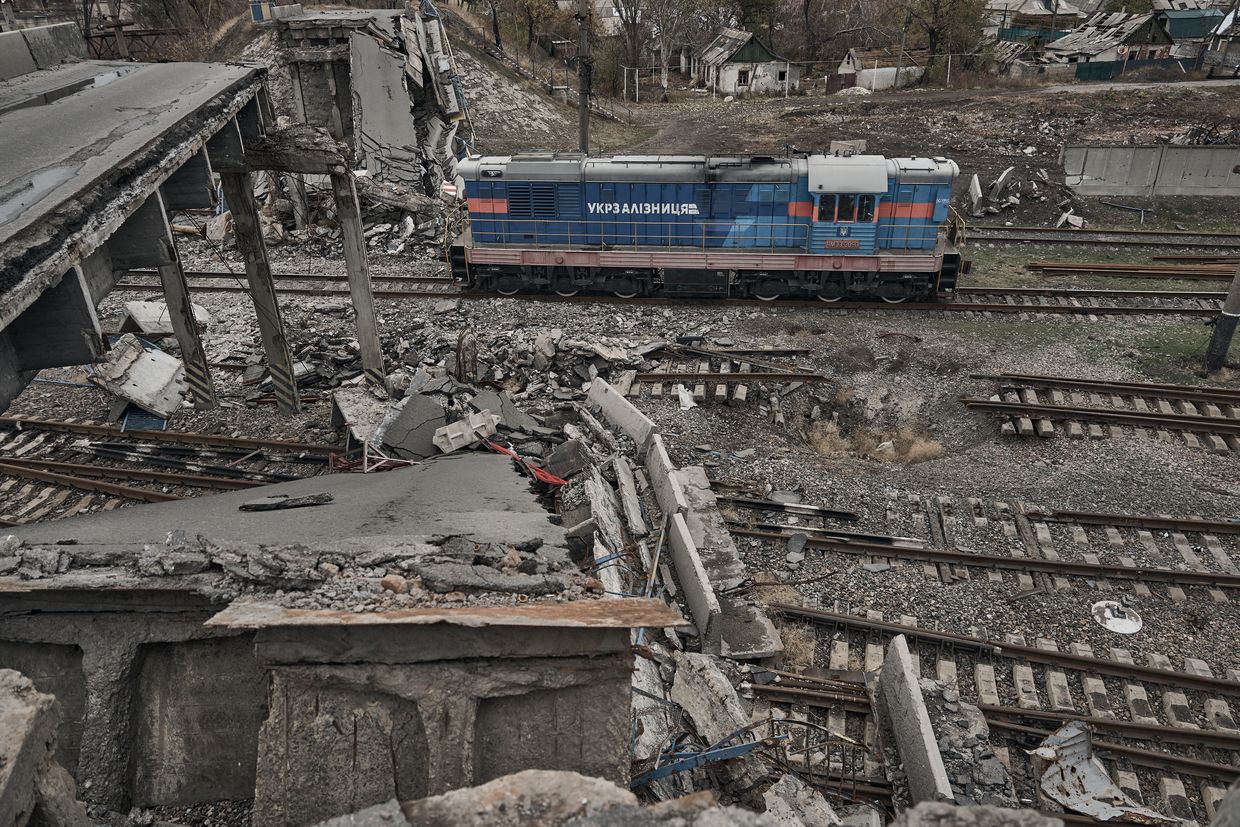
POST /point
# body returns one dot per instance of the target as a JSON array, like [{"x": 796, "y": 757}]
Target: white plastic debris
[
  {"x": 1115, "y": 617},
  {"x": 465, "y": 432}
]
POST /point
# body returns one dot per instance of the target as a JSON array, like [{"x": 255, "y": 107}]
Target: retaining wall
[{"x": 1162, "y": 169}]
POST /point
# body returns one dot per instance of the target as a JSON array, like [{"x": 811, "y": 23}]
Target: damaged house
[
  {"x": 876, "y": 69},
  {"x": 1112, "y": 43},
  {"x": 1025, "y": 20},
  {"x": 736, "y": 62}
]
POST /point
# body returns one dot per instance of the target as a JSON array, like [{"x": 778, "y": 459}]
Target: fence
[
  {"x": 1163, "y": 169},
  {"x": 1107, "y": 69}
]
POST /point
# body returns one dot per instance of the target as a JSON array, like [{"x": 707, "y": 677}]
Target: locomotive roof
[{"x": 827, "y": 173}]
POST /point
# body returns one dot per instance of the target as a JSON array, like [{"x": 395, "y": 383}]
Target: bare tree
[
  {"x": 633, "y": 23},
  {"x": 669, "y": 21}
]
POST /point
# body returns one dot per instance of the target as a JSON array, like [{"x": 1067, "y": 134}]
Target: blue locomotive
[{"x": 859, "y": 227}]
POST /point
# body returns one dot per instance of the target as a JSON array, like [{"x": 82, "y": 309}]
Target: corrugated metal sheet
[{"x": 725, "y": 44}]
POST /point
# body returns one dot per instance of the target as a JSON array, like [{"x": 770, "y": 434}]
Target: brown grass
[
  {"x": 800, "y": 643},
  {"x": 908, "y": 445}
]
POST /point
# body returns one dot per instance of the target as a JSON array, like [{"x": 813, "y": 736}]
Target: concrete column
[
  {"x": 181, "y": 311},
  {"x": 350, "y": 217},
  {"x": 108, "y": 664},
  {"x": 239, "y": 192},
  {"x": 295, "y": 184},
  {"x": 450, "y": 741}
]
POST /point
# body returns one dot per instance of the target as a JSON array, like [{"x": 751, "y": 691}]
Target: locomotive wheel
[
  {"x": 768, "y": 290},
  {"x": 894, "y": 301},
  {"x": 507, "y": 285},
  {"x": 829, "y": 299},
  {"x": 620, "y": 294},
  {"x": 566, "y": 292}
]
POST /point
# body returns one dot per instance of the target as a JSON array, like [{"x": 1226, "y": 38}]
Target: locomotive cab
[{"x": 845, "y": 194}]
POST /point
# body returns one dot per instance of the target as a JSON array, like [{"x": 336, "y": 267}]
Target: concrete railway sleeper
[
  {"x": 1221, "y": 396},
  {"x": 1152, "y": 675},
  {"x": 993, "y": 561},
  {"x": 311, "y": 452},
  {"x": 86, "y": 470},
  {"x": 1194, "y": 424}
]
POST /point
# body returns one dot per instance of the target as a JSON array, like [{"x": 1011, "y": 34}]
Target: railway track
[
  {"x": 1020, "y": 544},
  {"x": 1046, "y": 406},
  {"x": 1110, "y": 269},
  {"x": 1118, "y": 237},
  {"x": 1009, "y": 300},
  {"x": 1165, "y": 730},
  {"x": 57, "y": 468}
]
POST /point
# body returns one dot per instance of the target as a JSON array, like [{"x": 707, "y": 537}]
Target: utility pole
[
  {"x": 584, "y": 68},
  {"x": 1224, "y": 327}
]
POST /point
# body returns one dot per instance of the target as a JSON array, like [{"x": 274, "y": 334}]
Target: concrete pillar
[
  {"x": 107, "y": 726},
  {"x": 295, "y": 184},
  {"x": 239, "y": 192},
  {"x": 181, "y": 312},
  {"x": 349, "y": 215}
]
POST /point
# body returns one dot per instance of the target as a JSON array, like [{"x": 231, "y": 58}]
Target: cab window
[
  {"x": 846, "y": 208},
  {"x": 865, "y": 211}
]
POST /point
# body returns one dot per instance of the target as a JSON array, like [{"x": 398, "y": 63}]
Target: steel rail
[
  {"x": 769, "y": 376},
  {"x": 84, "y": 484},
  {"x": 187, "y": 437},
  {"x": 261, "y": 477},
  {"x": 1099, "y": 231},
  {"x": 1135, "y": 274},
  {"x": 1226, "y": 396},
  {"x": 804, "y": 509},
  {"x": 1126, "y": 267},
  {"x": 1137, "y": 521},
  {"x": 188, "y": 480},
  {"x": 1144, "y": 757},
  {"x": 1089, "y": 292},
  {"x": 1151, "y": 732},
  {"x": 225, "y": 275},
  {"x": 1177, "y": 245},
  {"x": 938, "y": 307},
  {"x": 813, "y": 697},
  {"x": 1150, "y": 674},
  {"x": 884, "y": 540},
  {"x": 1062, "y": 567},
  {"x": 1151, "y": 419}
]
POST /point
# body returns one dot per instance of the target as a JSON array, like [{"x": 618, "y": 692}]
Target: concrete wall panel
[
  {"x": 15, "y": 57},
  {"x": 553, "y": 729},
  {"x": 53, "y": 45},
  {"x": 1151, "y": 171},
  {"x": 200, "y": 706},
  {"x": 54, "y": 670}
]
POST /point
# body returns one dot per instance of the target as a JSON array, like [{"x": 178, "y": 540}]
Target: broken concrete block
[
  {"x": 150, "y": 379},
  {"x": 410, "y": 432},
  {"x": 706, "y": 695},
  {"x": 975, "y": 196},
  {"x": 387, "y": 814},
  {"x": 33, "y": 787},
  {"x": 465, "y": 432},
  {"x": 502, "y": 404},
  {"x": 621, "y": 413},
  {"x": 568, "y": 459},
  {"x": 549, "y": 797},
  {"x": 153, "y": 318},
  {"x": 219, "y": 227},
  {"x": 1000, "y": 183},
  {"x": 792, "y": 802},
  {"x": 905, "y": 709}
]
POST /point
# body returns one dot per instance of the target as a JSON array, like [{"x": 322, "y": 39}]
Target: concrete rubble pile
[{"x": 1008, "y": 191}]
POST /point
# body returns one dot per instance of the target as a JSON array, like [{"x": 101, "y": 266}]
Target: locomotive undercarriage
[{"x": 833, "y": 286}]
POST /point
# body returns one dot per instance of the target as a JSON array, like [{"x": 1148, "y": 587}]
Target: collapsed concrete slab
[
  {"x": 150, "y": 379},
  {"x": 427, "y": 608},
  {"x": 33, "y": 787}
]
